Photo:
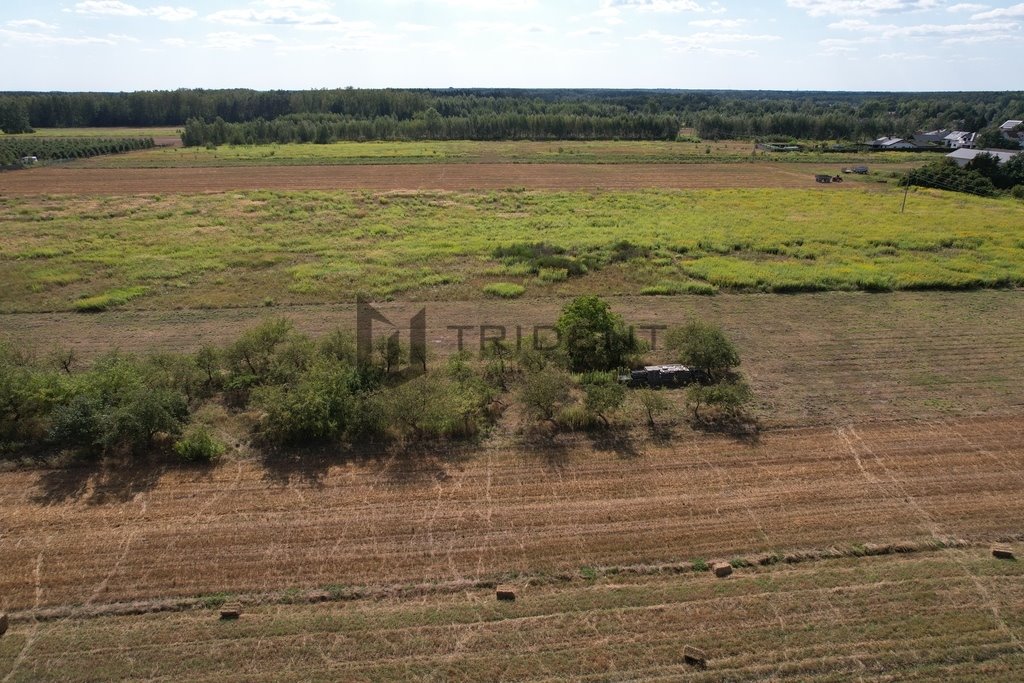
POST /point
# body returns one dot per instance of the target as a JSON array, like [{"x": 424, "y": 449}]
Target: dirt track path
[{"x": 57, "y": 180}]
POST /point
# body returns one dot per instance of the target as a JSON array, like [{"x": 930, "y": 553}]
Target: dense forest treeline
[{"x": 504, "y": 113}]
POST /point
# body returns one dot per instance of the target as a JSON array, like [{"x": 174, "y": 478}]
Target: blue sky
[{"x": 264, "y": 44}]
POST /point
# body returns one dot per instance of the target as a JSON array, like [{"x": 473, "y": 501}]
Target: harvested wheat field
[
  {"x": 605, "y": 542},
  {"x": 82, "y": 538},
  {"x": 92, "y": 181},
  {"x": 839, "y": 619}
]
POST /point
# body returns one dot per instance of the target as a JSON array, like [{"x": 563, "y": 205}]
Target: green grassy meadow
[
  {"x": 253, "y": 248},
  {"x": 463, "y": 151}
]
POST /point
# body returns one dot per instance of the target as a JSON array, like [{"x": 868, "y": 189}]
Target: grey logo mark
[{"x": 367, "y": 315}]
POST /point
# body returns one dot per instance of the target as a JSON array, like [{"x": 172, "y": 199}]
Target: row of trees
[
  {"x": 984, "y": 175},
  {"x": 430, "y": 125},
  {"x": 296, "y": 390},
  {"x": 715, "y": 114},
  {"x": 13, "y": 149}
]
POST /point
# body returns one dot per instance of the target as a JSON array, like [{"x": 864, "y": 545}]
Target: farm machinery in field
[{"x": 655, "y": 376}]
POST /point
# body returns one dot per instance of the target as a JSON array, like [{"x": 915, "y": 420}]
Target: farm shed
[{"x": 964, "y": 156}]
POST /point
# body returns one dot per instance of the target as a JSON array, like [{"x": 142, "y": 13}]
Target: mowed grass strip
[
  {"x": 251, "y": 248},
  {"x": 917, "y": 617}
]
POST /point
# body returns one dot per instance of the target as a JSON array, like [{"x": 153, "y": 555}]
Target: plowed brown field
[{"x": 54, "y": 180}]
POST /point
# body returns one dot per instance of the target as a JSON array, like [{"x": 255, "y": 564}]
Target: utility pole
[{"x": 905, "y": 192}]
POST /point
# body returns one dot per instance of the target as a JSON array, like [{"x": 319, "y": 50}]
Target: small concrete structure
[
  {"x": 230, "y": 610},
  {"x": 507, "y": 593},
  {"x": 721, "y": 569}
]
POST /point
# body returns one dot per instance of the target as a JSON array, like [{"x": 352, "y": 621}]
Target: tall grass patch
[{"x": 310, "y": 247}]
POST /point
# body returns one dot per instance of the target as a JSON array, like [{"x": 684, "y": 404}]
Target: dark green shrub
[
  {"x": 198, "y": 445},
  {"x": 320, "y": 404}
]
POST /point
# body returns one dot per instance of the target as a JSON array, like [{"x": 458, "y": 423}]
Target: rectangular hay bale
[
  {"x": 694, "y": 657},
  {"x": 721, "y": 569},
  {"x": 231, "y": 610},
  {"x": 506, "y": 593},
  {"x": 1003, "y": 552},
  {"x": 4, "y": 623}
]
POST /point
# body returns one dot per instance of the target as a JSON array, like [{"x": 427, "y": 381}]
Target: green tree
[
  {"x": 271, "y": 353},
  {"x": 652, "y": 402},
  {"x": 544, "y": 391},
  {"x": 14, "y": 116},
  {"x": 592, "y": 337},
  {"x": 993, "y": 138},
  {"x": 702, "y": 345},
  {"x": 728, "y": 398},
  {"x": 603, "y": 398},
  {"x": 318, "y": 405}
]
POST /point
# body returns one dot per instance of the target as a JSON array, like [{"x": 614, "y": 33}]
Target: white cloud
[
  {"x": 822, "y": 8},
  {"x": 500, "y": 27},
  {"x": 833, "y": 46},
  {"x": 34, "y": 24},
  {"x": 888, "y": 31},
  {"x": 1013, "y": 11},
  {"x": 654, "y": 5},
  {"x": 116, "y": 8},
  {"x": 590, "y": 31},
  {"x": 966, "y": 7},
  {"x": 230, "y": 40},
  {"x": 718, "y": 23},
  {"x": 108, "y": 8},
  {"x": 301, "y": 5},
  {"x": 490, "y": 5},
  {"x": 165, "y": 13},
  {"x": 980, "y": 38},
  {"x": 706, "y": 42},
  {"x": 273, "y": 16},
  {"x": 409, "y": 27},
  {"x": 174, "y": 42},
  {"x": 33, "y": 38},
  {"x": 610, "y": 15},
  {"x": 905, "y": 56}
]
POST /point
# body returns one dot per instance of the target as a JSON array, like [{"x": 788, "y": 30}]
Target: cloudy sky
[{"x": 727, "y": 44}]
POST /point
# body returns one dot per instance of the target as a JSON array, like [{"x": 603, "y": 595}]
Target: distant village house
[
  {"x": 960, "y": 139},
  {"x": 891, "y": 143}
]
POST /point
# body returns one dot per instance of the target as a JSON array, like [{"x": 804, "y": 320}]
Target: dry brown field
[{"x": 385, "y": 177}]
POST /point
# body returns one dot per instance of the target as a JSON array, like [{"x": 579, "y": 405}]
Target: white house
[
  {"x": 964, "y": 156},
  {"x": 960, "y": 139},
  {"x": 891, "y": 143}
]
